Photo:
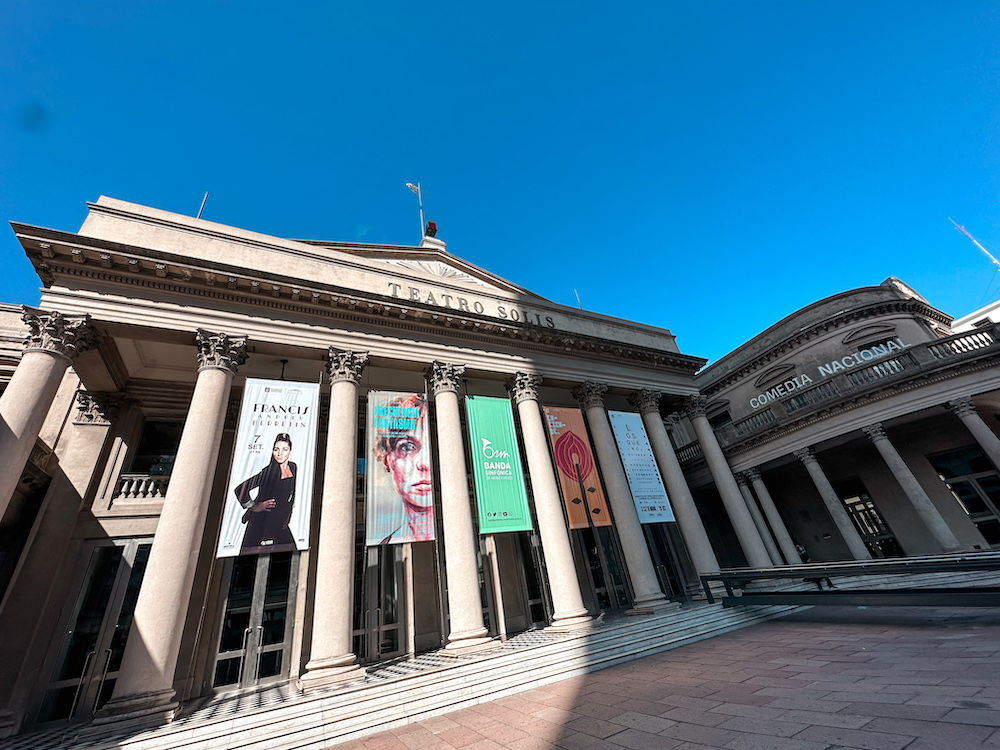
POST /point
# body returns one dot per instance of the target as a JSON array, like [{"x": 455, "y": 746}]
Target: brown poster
[{"x": 581, "y": 489}]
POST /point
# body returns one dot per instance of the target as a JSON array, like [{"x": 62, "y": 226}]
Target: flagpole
[{"x": 420, "y": 203}]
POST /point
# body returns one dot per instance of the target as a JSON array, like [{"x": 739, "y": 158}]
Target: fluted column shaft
[
  {"x": 645, "y": 585},
  {"x": 53, "y": 340},
  {"x": 464, "y": 603},
  {"x": 758, "y": 520},
  {"x": 736, "y": 507},
  {"x": 834, "y": 505},
  {"x": 681, "y": 500},
  {"x": 145, "y": 681},
  {"x": 784, "y": 539},
  {"x": 964, "y": 409},
  {"x": 918, "y": 498},
  {"x": 331, "y": 657},
  {"x": 567, "y": 601}
]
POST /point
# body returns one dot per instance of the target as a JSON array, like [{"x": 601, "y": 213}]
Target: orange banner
[{"x": 581, "y": 488}]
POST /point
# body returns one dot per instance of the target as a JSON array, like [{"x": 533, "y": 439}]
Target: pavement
[{"x": 882, "y": 678}]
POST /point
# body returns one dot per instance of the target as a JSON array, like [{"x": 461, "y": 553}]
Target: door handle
[
  {"x": 243, "y": 659},
  {"x": 83, "y": 678},
  {"x": 104, "y": 676},
  {"x": 260, "y": 642}
]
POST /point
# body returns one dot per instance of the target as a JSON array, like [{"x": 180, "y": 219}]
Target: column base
[
  {"x": 651, "y": 605},
  {"x": 135, "y": 711},
  {"x": 322, "y": 673},
  {"x": 8, "y": 725},
  {"x": 565, "y": 623},
  {"x": 467, "y": 646}
]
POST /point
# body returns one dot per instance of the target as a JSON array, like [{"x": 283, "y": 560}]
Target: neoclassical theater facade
[{"x": 861, "y": 426}]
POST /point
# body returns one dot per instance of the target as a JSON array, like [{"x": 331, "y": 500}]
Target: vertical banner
[
  {"x": 648, "y": 493},
  {"x": 400, "y": 503},
  {"x": 581, "y": 488},
  {"x": 496, "y": 466},
  {"x": 269, "y": 494}
]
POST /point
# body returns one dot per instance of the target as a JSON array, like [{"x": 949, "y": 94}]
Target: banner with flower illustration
[{"x": 578, "y": 480}]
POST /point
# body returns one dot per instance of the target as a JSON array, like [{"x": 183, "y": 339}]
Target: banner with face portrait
[
  {"x": 578, "y": 480},
  {"x": 400, "y": 485},
  {"x": 269, "y": 493},
  {"x": 496, "y": 466},
  {"x": 641, "y": 471}
]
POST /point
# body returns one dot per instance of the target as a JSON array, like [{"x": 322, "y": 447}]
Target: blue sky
[{"x": 706, "y": 167}]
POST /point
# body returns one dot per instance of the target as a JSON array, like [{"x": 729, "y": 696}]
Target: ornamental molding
[
  {"x": 221, "y": 351},
  {"x": 741, "y": 479},
  {"x": 805, "y": 455},
  {"x": 444, "y": 377},
  {"x": 98, "y": 407},
  {"x": 338, "y": 304},
  {"x": 695, "y": 406},
  {"x": 962, "y": 407},
  {"x": 440, "y": 270},
  {"x": 753, "y": 474},
  {"x": 525, "y": 387},
  {"x": 647, "y": 402},
  {"x": 347, "y": 366},
  {"x": 67, "y": 335},
  {"x": 590, "y": 394}
]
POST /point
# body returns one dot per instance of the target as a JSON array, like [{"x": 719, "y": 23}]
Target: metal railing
[{"x": 984, "y": 596}]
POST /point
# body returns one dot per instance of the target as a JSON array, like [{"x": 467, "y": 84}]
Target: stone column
[
  {"x": 758, "y": 520},
  {"x": 567, "y": 601},
  {"x": 964, "y": 409},
  {"x": 645, "y": 585},
  {"x": 785, "y": 542},
  {"x": 464, "y": 604},
  {"x": 739, "y": 514},
  {"x": 678, "y": 492},
  {"x": 332, "y": 657},
  {"x": 30, "y": 592},
  {"x": 834, "y": 505},
  {"x": 52, "y": 341},
  {"x": 942, "y": 533},
  {"x": 144, "y": 690}
]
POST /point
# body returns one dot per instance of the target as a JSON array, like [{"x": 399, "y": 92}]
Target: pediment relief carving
[
  {"x": 774, "y": 374},
  {"x": 879, "y": 330},
  {"x": 441, "y": 270}
]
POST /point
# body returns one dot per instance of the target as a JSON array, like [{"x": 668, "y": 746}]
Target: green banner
[{"x": 496, "y": 465}]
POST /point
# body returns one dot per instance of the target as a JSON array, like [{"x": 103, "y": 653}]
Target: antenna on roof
[
  {"x": 203, "y": 201},
  {"x": 578, "y": 298},
  {"x": 975, "y": 242}
]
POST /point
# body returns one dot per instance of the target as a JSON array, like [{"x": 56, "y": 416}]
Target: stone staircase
[{"x": 281, "y": 718}]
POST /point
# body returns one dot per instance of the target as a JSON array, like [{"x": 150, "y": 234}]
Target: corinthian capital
[
  {"x": 695, "y": 406},
  {"x": 805, "y": 455},
  {"x": 962, "y": 407},
  {"x": 590, "y": 394},
  {"x": 646, "y": 401},
  {"x": 444, "y": 377},
  {"x": 525, "y": 387},
  {"x": 98, "y": 407},
  {"x": 346, "y": 365},
  {"x": 753, "y": 475},
  {"x": 220, "y": 350},
  {"x": 874, "y": 432},
  {"x": 67, "y": 335}
]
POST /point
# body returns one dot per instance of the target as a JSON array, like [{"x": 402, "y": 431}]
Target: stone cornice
[{"x": 111, "y": 263}]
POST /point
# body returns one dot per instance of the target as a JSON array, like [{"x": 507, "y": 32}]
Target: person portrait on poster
[
  {"x": 268, "y": 499},
  {"x": 401, "y": 446}
]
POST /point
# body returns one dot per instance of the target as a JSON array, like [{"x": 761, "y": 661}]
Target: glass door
[
  {"x": 93, "y": 642},
  {"x": 605, "y": 567},
  {"x": 255, "y": 639},
  {"x": 380, "y": 604}
]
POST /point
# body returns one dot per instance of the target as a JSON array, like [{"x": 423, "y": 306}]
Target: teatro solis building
[{"x": 238, "y": 461}]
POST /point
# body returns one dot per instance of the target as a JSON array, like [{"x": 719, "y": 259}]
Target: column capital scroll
[
  {"x": 98, "y": 407},
  {"x": 346, "y": 365},
  {"x": 805, "y": 455},
  {"x": 962, "y": 407},
  {"x": 647, "y": 402},
  {"x": 753, "y": 474},
  {"x": 525, "y": 387},
  {"x": 741, "y": 478},
  {"x": 695, "y": 406},
  {"x": 590, "y": 394},
  {"x": 444, "y": 377},
  {"x": 221, "y": 351},
  {"x": 67, "y": 335},
  {"x": 874, "y": 431}
]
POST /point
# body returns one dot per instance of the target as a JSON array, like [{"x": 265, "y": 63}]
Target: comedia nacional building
[{"x": 236, "y": 461}]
